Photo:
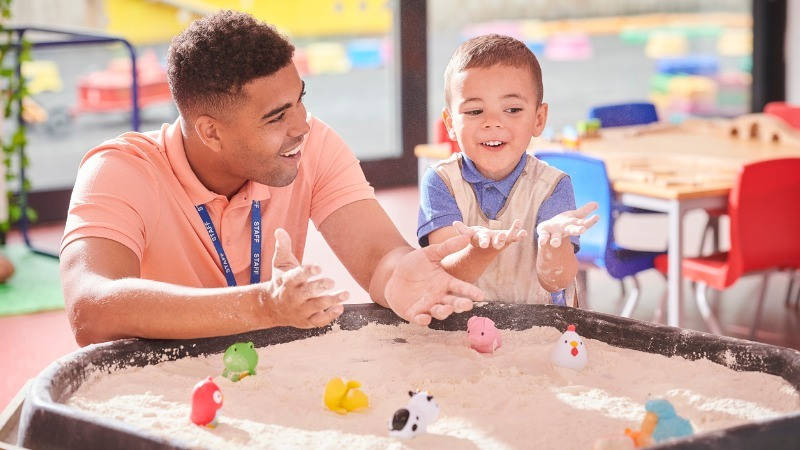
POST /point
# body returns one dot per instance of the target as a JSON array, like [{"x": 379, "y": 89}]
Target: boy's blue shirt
[{"x": 438, "y": 207}]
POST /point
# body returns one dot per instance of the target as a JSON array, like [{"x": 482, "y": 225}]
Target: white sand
[{"x": 513, "y": 399}]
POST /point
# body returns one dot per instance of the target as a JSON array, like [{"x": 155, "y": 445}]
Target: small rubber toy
[
  {"x": 569, "y": 351},
  {"x": 206, "y": 400},
  {"x": 660, "y": 424},
  {"x": 483, "y": 335},
  {"x": 643, "y": 437},
  {"x": 421, "y": 411},
  {"x": 240, "y": 361},
  {"x": 669, "y": 424},
  {"x": 344, "y": 397},
  {"x": 588, "y": 128},
  {"x": 570, "y": 138}
]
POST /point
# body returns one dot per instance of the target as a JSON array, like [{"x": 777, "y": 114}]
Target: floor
[{"x": 31, "y": 342}]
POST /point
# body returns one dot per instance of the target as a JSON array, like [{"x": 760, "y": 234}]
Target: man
[{"x": 160, "y": 222}]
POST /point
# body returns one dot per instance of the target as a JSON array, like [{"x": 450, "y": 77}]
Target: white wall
[{"x": 793, "y": 52}]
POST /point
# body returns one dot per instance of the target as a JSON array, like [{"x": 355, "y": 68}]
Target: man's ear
[
  {"x": 541, "y": 119},
  {"x": 207, "y": 129},
  {"x": 447, "y": 118}
]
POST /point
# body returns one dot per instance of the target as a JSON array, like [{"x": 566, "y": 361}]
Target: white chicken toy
[{"x": 570, "y": 351}]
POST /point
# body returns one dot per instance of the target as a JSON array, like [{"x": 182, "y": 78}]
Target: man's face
[
  {"x": 261, "y": 138},
  {"x": 493, "y": 113}
]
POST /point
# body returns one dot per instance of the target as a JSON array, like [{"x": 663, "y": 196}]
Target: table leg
[{"x": 675, "y": 257}]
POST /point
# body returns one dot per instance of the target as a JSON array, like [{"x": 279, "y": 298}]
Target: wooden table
[{"x": 674, "y": 169}]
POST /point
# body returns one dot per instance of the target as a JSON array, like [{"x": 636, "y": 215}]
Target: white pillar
[{"x": 793, "y": 52}]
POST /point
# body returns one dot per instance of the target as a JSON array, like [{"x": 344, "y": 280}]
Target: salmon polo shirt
[{"x": 140, "y": 191}]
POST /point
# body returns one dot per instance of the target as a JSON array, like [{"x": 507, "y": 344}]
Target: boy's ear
[
  {"x": 208, "y": 131},
  {"x": 541, "y": 119},
  {"x": 448, "y": 123}
]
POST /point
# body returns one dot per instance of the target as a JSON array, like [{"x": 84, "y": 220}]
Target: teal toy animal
[
  {"x": 669, "y": 424},
  {"x": 240, "y": 361}
]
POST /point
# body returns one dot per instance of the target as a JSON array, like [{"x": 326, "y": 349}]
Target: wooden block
[{"x": 435, "y": 151}]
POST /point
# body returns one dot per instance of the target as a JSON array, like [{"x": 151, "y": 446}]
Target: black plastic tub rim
[{"x": 44, "y": 410}]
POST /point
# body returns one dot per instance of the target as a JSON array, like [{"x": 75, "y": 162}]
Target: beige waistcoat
[{"x": 511, "y": 277}]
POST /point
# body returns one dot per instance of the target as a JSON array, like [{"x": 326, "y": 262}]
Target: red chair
[
  {"x": 442, "y": 137},
  {"x": 764, "y": 209},
  {"x": 789, "y": 113}
]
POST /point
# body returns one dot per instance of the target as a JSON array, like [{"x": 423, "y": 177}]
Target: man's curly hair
[{"x": 210, "y": 61}]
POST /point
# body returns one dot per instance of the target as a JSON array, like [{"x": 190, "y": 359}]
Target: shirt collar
[
  {"x": 198, "y": 193},
  {"x": 473, "y": 176}
]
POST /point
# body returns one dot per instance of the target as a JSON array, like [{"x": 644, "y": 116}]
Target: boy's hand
[
  {"x": 483, "y": 237},
  {"x": 568, "y": 223},
  {"x": 296, "y": 298}
]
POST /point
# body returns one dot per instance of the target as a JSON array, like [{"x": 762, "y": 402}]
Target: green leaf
[
  {"x": 12, "y": 93},
  {"x": 19, "y": 137},
  {"x": 14, "y": 213}
]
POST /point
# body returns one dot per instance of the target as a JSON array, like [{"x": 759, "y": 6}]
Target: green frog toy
[{"x": 240, "y": 361}]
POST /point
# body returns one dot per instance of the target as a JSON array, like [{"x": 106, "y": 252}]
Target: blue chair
[
  {"x": 598, "y": 248},
  {"x": 624, "y": 114},
  {"x": 621, "y": 115}
]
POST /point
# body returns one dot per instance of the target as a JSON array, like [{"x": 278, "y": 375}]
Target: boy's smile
[
  {"x": 493, "y": 113},
  {"x": 494, "y": 146}
]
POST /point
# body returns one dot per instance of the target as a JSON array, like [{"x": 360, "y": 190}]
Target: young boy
[{"x": 493, "y": 96}]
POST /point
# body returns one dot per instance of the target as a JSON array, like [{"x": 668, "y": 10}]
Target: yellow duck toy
[{"x": 343, "y": 398}]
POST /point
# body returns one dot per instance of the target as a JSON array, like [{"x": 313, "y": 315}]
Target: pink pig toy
[{"x": 483, "y": 336}]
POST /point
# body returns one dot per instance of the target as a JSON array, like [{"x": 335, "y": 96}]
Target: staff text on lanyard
[{"x": 255, "y": 243}]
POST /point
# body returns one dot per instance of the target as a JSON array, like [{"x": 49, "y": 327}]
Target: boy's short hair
[
  {"x": 210, "y": 61},
  {"x": 491, "y": 50}
]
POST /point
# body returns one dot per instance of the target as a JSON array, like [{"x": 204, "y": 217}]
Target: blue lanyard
[{"x": 255, "y": 245}]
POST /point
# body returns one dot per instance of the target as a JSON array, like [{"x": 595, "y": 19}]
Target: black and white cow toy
[{"x": 414, "y": 419}]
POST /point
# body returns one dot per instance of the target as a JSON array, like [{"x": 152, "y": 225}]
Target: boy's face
[{"x": 493, "y": 114}]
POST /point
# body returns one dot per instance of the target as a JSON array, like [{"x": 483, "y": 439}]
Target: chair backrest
[
  {"x": 590, "y": 183},
  {"x": 764, "y": 207},
  {"x": 624, "y": 114},
  {"x": 787, "y": 112},
  {"x": 441, "y": 136}
]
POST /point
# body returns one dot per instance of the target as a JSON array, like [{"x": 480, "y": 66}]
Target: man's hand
[
  {"x": 483, "y": 237},
  {"x": 420, "y": 288},
  {"x": 568, "y": 223},
  {"x": 297, "y": 297}
]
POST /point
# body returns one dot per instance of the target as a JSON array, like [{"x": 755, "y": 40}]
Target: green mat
[{"x": 35, "y": 285}]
